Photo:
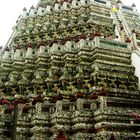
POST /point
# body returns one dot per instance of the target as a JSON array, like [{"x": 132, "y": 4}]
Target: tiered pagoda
[{"x": 66, "y": 73}]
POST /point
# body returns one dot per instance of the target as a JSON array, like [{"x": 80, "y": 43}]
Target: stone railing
[{"x": 109, "y": 43}]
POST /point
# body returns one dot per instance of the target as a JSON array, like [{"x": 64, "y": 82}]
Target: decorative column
[
  {"x": 40, "y": 129},
  {"x": 61, "y": 117},
  {"x": 22, "y": 118},
  {"x": 82, "y": 119},
  {"x": 6, "y": 119},
  {"x": 20, "y": 122},
  {"x": 70, "y": 66},
  {"x": 2, "y": 123}
]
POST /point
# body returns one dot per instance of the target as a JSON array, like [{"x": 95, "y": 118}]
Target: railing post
[{"x": 14, "y": 122}]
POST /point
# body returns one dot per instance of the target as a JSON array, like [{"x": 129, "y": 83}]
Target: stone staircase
[
  {"x": 121, "y": 26},
  {"x": 121, "y": 22}
]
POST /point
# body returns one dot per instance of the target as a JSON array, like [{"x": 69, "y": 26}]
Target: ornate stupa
[{"x": 66, "y": 73}]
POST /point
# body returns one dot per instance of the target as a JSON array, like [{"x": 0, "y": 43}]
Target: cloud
[{"x": 9, "y": 13}]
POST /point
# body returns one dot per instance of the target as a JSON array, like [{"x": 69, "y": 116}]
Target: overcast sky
[{"x": 11, "y": 9}]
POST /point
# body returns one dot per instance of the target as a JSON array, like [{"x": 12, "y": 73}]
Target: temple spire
[
  {"x": 115, "y": 1},
  {"x": 44, "y": 3}
]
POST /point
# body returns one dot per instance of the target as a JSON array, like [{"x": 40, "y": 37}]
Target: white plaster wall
[{"x": 136, "y": 63}]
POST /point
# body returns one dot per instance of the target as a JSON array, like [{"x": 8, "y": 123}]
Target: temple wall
[{"x": 68, "y": 72}]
